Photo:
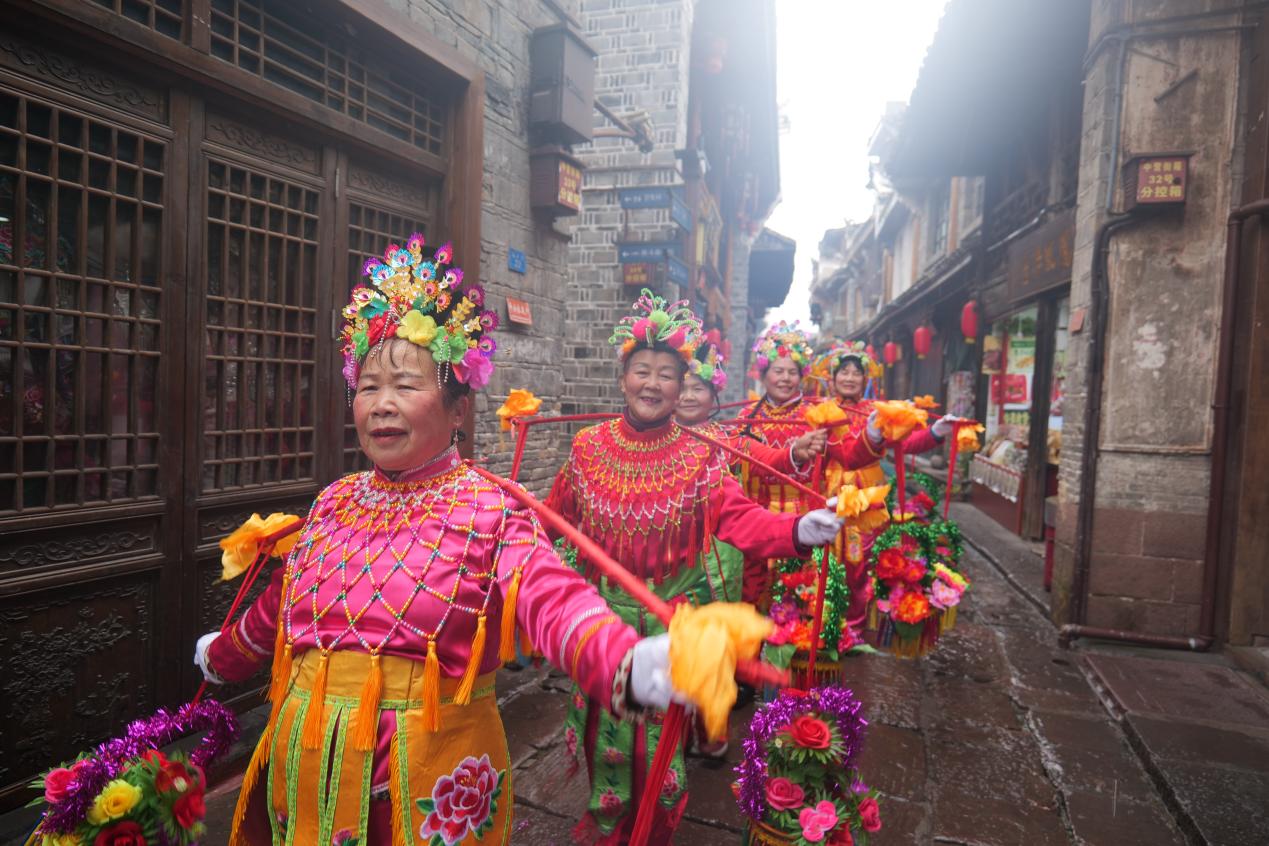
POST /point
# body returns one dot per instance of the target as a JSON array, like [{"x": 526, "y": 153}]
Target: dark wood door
[{"x": 171, "y": 272}]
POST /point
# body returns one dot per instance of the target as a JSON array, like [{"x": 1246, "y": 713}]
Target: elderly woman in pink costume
[{"x": 402, "y": 596}]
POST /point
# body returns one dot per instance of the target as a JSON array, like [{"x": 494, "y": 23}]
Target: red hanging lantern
[
  {"x": 921, "y": 340},
  {"x": 890, "y": 352},
  {"x": 870, "y": 352},
  {"x": 969, "y": 322}
]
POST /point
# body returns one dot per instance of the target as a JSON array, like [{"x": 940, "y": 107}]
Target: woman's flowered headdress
[
  {"x": 424, "y": 302},
  {"x": 708, "y": 360},
  {"x": 657, "y": 322},
  {"x": 844, "y": 350},
  {"x": 780, "y": 341}
]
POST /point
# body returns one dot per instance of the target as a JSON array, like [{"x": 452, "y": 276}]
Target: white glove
[
  {"x": 873, "y": 430},
  {"x": 943, "y": 426},
  {"x": 650, "y": 684},
  {"x": 818, "y": 527},
  {"x": 200, "y": 657}
]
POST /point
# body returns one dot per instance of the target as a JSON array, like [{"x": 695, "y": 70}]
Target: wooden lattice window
[
  {"x": 259, "y": 395},
  {"x": 166, "y": 17},
  {"x": 81, "y": 235},
  {"x": 291, "y": 47},
  {"x": 370, "y": 230}
]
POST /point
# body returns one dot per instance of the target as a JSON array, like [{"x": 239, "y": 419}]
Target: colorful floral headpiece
[
  {"x": 657, "y": 322},
  {"x": 780, "y": 341},
  {"x": 857, "y": 350},
  {"x": 424, "y": 302},
  {"x": 708, "y": 360}
]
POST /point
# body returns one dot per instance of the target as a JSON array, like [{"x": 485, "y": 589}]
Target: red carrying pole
[
  {"x": 253, "y": 571},
  {"x": 522, "y": 425},
  {"x": 743, "y": 456},
  {"x": 754, "y": 672},
  {"x": 522, "y": 436},
  {"x": 671, "y": 734},
  {"x": 820, "y": 588}
]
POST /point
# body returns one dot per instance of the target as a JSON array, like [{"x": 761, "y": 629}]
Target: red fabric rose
[
  {"x": 56, "y": 783},
  {"x": 841, "y": 837},
  {"x": 810, "y": 733},
  {"x": 891, "y": 564},
  {"x": 123, "y": 833},
  {"x": 870, "y": 814},
  {"x": 914, "y": 572},
  {"x": 189, "y": 810},
  {"x": 172, "y": 775},
  {"x": 784, "y": 795},
  {"x": 375, "y": 328}
]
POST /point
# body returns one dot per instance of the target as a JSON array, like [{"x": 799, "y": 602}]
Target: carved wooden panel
[
  {"x": 264, "y": 145},
  {"x": 80, "y": 77},
  {"x": 76, "y": 664},
  {"x": 61, "y": 546}
]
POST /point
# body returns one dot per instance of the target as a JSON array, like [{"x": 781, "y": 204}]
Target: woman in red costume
[
  {"x": 654, "y": 498},
  {"x": 851, "y": 368},
  {"x": 406, "y": 583}
]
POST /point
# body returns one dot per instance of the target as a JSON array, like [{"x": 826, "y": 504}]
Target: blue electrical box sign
[
  {"x": 516, "y": 261},
  {"x": 681, "y": 214},
  {"x": 644, "y": 198},
  {"x": 676, "y": 271}
]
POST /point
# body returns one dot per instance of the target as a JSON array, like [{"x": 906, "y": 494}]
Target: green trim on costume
[
  {"x": 293, "y": 766},
  {"x": 403, "y": 776},
  {"x": 336, "y": 732},
  {"x": 367, "y": 774},
  {"x": 395, "y": 704}
]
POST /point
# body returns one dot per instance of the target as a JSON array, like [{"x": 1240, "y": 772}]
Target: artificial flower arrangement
[
  {"x": 793, "y": 588},
  {"x": 127, "y": 792},
  {"x": 797, "y": 784},
  {"x": 922, "y": 506},
  {"x": 916, "y": 585}
]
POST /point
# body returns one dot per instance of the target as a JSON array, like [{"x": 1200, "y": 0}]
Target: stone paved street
[{"x": 996, "y": 739}]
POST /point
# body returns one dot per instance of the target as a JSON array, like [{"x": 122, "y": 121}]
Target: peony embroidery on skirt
[{"x": 463, "y": 801}]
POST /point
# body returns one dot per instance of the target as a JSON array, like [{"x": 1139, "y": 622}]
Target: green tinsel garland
[
  {"x": 836, "y": 592},
  {"x": 932, "y": 487}
]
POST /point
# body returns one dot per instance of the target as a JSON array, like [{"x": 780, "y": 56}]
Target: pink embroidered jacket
[{"x": 389, "y": 563}]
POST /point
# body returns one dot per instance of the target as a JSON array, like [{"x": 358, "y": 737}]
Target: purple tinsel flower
[
  {"x": 111, "y": 758},
  {"x": 783, "y": 613},
  {"x": 836, "y": 703}
]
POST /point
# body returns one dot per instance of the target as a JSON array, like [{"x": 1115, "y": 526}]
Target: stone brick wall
[
  {"x": 643, "y": 65},
  {"x": 496, "y": 35},
  {"x": 1164, "y": 274}
]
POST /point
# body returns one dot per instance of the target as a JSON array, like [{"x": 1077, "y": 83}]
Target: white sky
[{"x": 838, "y": 63}]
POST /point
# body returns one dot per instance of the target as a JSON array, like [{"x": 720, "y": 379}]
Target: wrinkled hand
[
  {"x": 873, "y": 430},
  {"x": 818, "y": 527},
  {"x": 200, "y": 657},
  {"x": 944, "y": 426},
  {"x": 806, "y": 447},
  {"x": 650, "y": 684}
]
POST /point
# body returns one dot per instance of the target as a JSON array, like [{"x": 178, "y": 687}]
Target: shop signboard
[
  {"x": 644, "y": 198},
  {"x": 676, "y": 271},
  {"x": 636, "y": 273},
  {"x": 1041, "y": 259},
  {"x": 681, "y": 214}
]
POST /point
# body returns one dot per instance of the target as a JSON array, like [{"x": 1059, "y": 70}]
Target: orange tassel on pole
[
  {"x": 463, "y": 694},
  {"x": 311, "y": 738},
  {"x": 366, "y": 726},
  {"x": 507, "y": 634},
  {"x": 432, "y": 688}
]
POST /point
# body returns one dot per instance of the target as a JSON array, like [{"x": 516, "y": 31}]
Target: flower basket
[
  {"x": 797, "y": 785},
  {"x": 916, "y": 586},
  {"x": 126, "y": 791},
  {"x": 793, "y": 612}
]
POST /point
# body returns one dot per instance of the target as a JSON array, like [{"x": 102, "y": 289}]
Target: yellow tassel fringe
[
  {"x": 366, "y": 726},
  {"x": 507, "y": 637},
  {"x": 394, "y": 793},
  {"x": 432, "y": 688},
  {"x": 463, "y": 694},
  {"x": 311, "y": 738}
]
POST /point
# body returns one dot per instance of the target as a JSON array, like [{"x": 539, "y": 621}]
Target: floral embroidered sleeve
[
  {"x": 561, "y": 612},
  {"x": 749, "y": 527}
]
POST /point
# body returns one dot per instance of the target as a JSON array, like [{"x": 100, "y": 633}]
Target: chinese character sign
[
  {"x": 1161, "y": 180},
  {"x": 570, "y": 186}
]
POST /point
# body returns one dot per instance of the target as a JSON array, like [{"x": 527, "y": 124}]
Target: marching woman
[
  {"x": 655, "y": 498},
  {"x": 854, "y": 435},
  {"x": 401, "y": 597}
]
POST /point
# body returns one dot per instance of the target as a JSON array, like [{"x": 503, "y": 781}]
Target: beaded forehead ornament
[
  {"x": 783, "y": 340},
  {"x": 657, "y": 322},
  {"x": 422, "y": 301},
  {"x": 708, "y": 360}
]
